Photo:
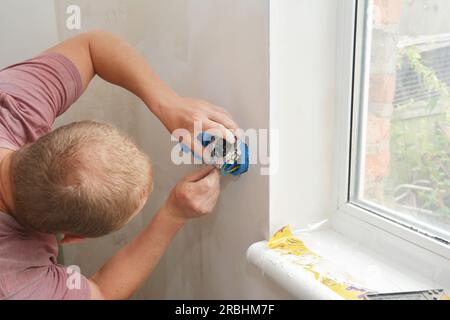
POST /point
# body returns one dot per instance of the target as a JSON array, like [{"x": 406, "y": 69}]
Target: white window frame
[{"x": 349, "y": 216}]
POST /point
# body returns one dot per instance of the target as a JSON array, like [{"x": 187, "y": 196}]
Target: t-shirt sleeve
[
  {"x": 32, "y": 94},
  {"x": 54, "y": 282},
  {"x": 67, "y": 283}
]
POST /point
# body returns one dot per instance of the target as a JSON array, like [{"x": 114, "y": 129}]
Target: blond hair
[{"x": 86, "y": 178}]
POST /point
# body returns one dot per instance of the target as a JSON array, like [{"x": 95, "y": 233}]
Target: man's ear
[{"x": 70, "y": 238}]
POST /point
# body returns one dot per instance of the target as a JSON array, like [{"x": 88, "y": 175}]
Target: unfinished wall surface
[
  {"x": 26, "y": 28},
  {"x": 215, "y": 50}
]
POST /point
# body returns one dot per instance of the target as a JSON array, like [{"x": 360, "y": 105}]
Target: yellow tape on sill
[{"x": 286, "y": 242}]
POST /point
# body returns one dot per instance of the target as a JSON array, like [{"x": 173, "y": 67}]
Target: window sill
[{"x": 365, "y": 268}]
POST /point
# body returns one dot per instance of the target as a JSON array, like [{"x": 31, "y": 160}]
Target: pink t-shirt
[{"x": 32, "y": 94}]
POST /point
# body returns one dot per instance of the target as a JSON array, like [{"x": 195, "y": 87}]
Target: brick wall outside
[{"x": 387, "y": 14}]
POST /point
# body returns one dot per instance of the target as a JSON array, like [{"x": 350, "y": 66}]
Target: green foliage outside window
[{"x": 420, "y": 146}]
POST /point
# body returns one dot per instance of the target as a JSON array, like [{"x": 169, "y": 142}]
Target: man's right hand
[{"x": 195, "y": 195}]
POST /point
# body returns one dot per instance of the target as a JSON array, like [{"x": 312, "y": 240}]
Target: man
[{"x": 87, "y": 179}]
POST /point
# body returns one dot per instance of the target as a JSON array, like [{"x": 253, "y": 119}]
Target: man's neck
[{"x": 6, "y": 200}]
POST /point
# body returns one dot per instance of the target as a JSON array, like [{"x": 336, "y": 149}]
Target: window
[{"x": 400, "y": 166}]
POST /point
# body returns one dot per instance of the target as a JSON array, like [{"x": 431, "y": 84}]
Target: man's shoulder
[{"x": 28, "y": 266}]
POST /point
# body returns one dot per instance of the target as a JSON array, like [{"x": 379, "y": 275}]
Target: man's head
[{"x": 85, "y": 179}]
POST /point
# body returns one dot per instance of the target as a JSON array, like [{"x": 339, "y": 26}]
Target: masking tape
[{"x": 324, "y": 271}]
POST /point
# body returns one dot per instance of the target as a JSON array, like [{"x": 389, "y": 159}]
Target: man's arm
[
  {"x": 114, "y": 60},
  {"x": 122, "y": 275}
]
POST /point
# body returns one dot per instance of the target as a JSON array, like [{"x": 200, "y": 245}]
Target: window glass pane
[{"x": 404, "y": 146}]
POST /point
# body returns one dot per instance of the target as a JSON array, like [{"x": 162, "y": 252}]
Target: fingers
[
  {"x": 200, "y": 174},
  {"x": 200, "y": 115},
  {"x": 209, "y": 190},
  {"x": 195, "y": 195},
  {"x": 220, "y": 110},
  {"x": 221, "y": 120},
  {"x": 207, "y": 106},
  {"x": 211, "y": 179},
  {"x": 224, "y": 119},
  {"x": 225, "y": 133}
]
